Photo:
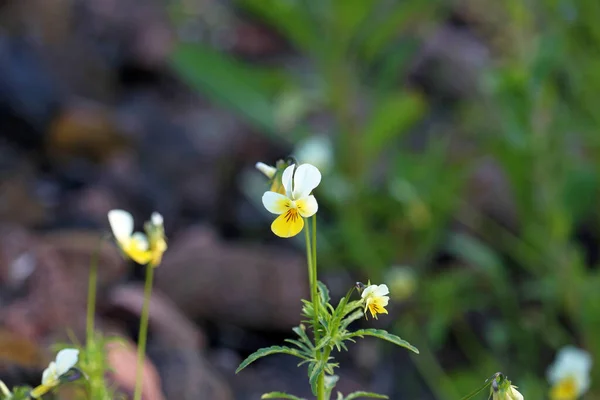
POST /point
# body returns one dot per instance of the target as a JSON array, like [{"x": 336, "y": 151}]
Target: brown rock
[
  {"x": 175, "y": 346},
  {"x": 253, "y": 286}
]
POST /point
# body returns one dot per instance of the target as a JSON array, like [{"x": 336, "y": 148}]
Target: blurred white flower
[
  {"x": 569, "y": 375},
  {"x": 316, "y": 150},
  {"x": 65, "y": 360},
  {"x": 402, "y": 282}
]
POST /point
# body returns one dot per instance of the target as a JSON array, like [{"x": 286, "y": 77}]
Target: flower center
[
  {"x": 566, "y": 389},
  {"x": 291, "y": 215}
]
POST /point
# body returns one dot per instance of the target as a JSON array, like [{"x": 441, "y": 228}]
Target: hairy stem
[
  {"x": 312, "y": 280},
  {"x": 143, "y": 334},
  {"x": 91, "y": 300}
]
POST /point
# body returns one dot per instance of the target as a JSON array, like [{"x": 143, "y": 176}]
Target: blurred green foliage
[{"x": 516, "y": 284}]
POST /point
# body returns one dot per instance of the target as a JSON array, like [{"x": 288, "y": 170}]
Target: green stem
[
  {"x": 143, "y": 333},
  {"x": 325, "y": 353},
  {"x": 91, "y": 300},
  {"x": 312, "y": 280},
  {"x": 321, "y": 381}
]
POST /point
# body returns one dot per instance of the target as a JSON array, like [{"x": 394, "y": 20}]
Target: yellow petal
[
  {"x": 136, "y": 251},
  {"x": 40, "y": 391},
  {"x": 288, "y": 224},
  {"x": 157, "y": 252},
  {"x": 565, "y": 390},
  {"x": 276, "y": 203},
  {"x": 307, "y": 206}
]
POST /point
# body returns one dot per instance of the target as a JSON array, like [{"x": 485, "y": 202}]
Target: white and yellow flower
[
  {"x": 297, "y": 203},
  {"x": 569, "y": 375},
  {"x": 376, "y": 299},
  {"x": 65, "y": 360},
  {"x": 142, "y": 248}
]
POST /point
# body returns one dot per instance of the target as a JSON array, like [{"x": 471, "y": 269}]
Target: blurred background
[{"x": 458, "y": 141}]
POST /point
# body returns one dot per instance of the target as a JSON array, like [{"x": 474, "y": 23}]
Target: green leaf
[
  {"x": 314, "y": 370},
  {"x": 228, "y": 82},
  {"x": 291, "y": 18},
  {"x": 324, "y": 292},
  {"x": 280, "y": 395},
  {"x": 267, "y": 351},
  {"x": 357, "y": 395},
  {"x": 381, "y": 334},
  {"x": 392, "y": 117},
  {"x": 353, "y": 305},
  {"x": 300, "y": 345},
  {"x": 351, "y": 318},
  {"x": 301, "y": 331}
]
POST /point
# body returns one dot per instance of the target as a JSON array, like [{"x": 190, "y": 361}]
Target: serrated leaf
[
  {"x": 351, "y": 306},
  {"x": 358, "y": 395},
  {"x": 381, "y": 334},
  {"x": 351, "y": 318},
  {"x": 324, "y": 292},
  {"x": 314, "y": 370},
  {"x": 301, "y": 331},
  {"x": 267, "y": 351},
  {"x": 304, "y": 348},
  {"x": 280, "y": 395}
]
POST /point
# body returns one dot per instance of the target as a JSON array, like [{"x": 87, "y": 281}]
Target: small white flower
[
  {"x": 569, "y": 375},
  {"x": 142, "y": 248},
  {"x": 266, "y": 169},
  {"x": 316, "y": 150},
  {"x": 297, "y": 202},
  {"x": 376, "y": 299},
  {"x": 65, "y": 360}
]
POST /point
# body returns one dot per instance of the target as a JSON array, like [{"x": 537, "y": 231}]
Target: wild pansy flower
[
  {"x": 274, "y": 174},
  {"x": 569, "y": 375},
  {"x": 65, "y": 360},
  {"x": 142, "y": 248},
  {"x": 297, "y": 202},
  {"x": 376, "y": 299}
]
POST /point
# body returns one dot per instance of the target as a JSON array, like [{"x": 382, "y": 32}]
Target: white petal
[
  {"x": 275, "y": 203},
  {"x": 286, "y": 180},
  {"x": 49, "y": 373},
  {"x": 515, "y": 394},
  {"x": 157, "y": 219},
  {"x": 381, "y": 290},
  {"x": 306, "y": 178},
  {"x": 121, "y": 223},
  {"x": 308, "y": 206},
  {"x": 65, "y": 360},
  {"x": 368, "y": 291},
  {"x": 266, "y": 169},
  {"x": 141, "y": 241}
]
